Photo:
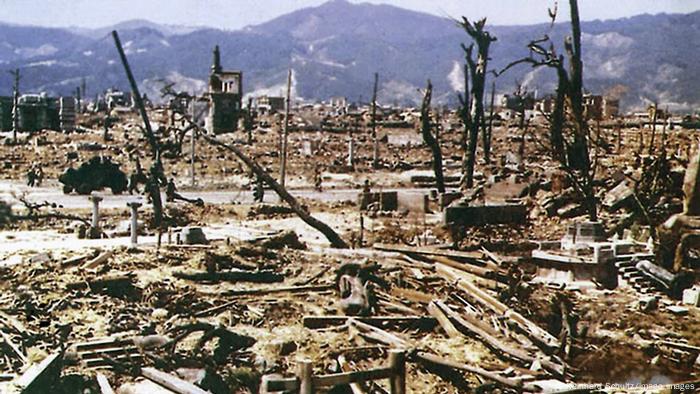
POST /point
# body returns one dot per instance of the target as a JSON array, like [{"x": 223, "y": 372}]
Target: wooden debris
[
  {"x": 264, "y": 276},
  {"x": 497, "y": 344},
  {"x": 171, "y": 382},
  {"x": 530, "y": 329},
  {"x": 13, "y": 346},
  {"x": 428, "y": 358},
  {"x": 469, "y": 256},
  {"x": 41, "y": 377},
  {"x": 445, "y": 323},
  {"x": 424, "y": 322},
  {"x": 103, "y": 383},
  {"x": 98, "y": 261}
]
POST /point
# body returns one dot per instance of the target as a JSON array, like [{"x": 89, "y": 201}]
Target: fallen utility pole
[
  {"x": 333, "y": 237},
  {"x": 285, "y": 131}
]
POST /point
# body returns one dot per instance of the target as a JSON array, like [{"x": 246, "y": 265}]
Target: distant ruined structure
[{"x": 225, "y": 97}]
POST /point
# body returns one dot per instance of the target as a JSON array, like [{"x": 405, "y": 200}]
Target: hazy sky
[{"x": 234, "y": 14}]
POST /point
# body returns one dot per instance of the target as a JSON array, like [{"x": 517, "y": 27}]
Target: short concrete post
[
  {"x": 304, "y": 374},
  {"x": 397, "y": 362},
  {"x": 95, "y": 225},
  {"x": 351, "y": 152},
  {"x": 134, "y": 222}
]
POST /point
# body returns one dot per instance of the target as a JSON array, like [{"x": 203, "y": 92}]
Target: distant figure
[
  {"x": 31, "y": 176},
  {"x": 136, "y": 177},
  {"x": 259, "y": 192},
  {"x": 365, "y": 188},
  {"x": 171, "y": 195},
  {"x": 318, "y": 179},
  {"x": 38, "y": 174},
  {"x": 170, "y": 191}
]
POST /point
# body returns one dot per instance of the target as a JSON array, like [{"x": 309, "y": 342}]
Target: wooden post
[
  {"x": 285, "y": 131},
  {"x": 304, "y": 374},
  {"x": 397, "y": 362},
  {"x": 375, "y": 154},
  {"x": 15, "y": 105}
]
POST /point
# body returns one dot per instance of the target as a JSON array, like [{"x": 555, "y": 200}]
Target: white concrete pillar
[
  {"x": 134, "y": 222},
  {"x": 95, "y": 225}
]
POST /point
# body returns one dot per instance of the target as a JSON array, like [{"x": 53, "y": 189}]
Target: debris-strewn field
[{"x": 229, "y": 295}]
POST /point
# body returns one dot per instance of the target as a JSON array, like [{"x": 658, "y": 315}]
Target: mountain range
[{"x": 334, "y": 50}]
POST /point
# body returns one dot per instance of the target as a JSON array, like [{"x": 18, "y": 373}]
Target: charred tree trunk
[
  {"x": 430, "y": 139},
  {"x": 466, "y": 121},
  {"x": 556, "y": 126},
  {"x": 581, "y": 143},
  {"x": 477, "y": 68},
  {"x": 488, "y": 132}
]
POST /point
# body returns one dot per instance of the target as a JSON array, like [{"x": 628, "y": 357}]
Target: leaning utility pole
[
  {"x": 285, "y": 131},
  {"x": 375, "y": 155},
  {"x": 15, "y": 105},
  {"x": 192, "y": 148},
  {"x": 137, "y": 96}
]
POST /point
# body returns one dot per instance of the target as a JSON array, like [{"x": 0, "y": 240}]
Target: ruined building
[
  {"x": 38, "y": 111},
  {"x": 225, "y": 97}
]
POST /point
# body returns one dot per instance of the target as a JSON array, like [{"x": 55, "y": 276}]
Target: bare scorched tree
[
  {"x": 568, "y": 127},
  {"x": 473, "y": 118}
]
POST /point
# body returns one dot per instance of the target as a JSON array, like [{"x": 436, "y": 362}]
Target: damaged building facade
[
  {"x": 224, "y": 96},
  {"x": 37, "y": 112}
]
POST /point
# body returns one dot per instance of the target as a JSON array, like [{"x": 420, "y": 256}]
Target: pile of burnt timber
[{"x": 479, "y": 276}]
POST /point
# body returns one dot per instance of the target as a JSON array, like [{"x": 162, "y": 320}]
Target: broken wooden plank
[
  {"x": 355, "y": 387},
  {"x": 411, "y": 295},
  {"x": 471, "y": 256},
  {"x": 103, "y": 383},
  {"x": 416, "y": 321},
  {"x": 477, "y": 280},
  {"x": 98, "y": 261},
  {"x": 428, "y": 358},
  {"x": 377, "y": 334},
  {"x": 17, "y": 325},
  {"x": 495, "y": 258},
  {"x": 486, "y": 273},
  {"x": 444, "y": 321},
  {"x": 76, "y": 260},
  {"x": 171, "y": 382},
  {"x": 41, "y": 377}
]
